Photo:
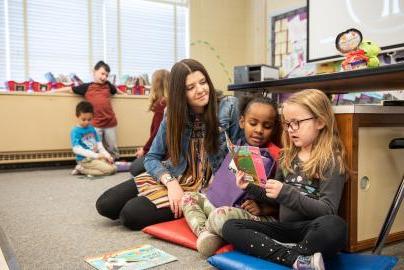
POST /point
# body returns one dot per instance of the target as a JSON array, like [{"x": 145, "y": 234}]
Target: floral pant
[{"x": 202, "y": 215}]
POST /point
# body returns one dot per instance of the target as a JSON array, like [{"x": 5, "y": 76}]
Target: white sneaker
[
  {"x": 76, "y": 170},
  {"x": 314, "y": 262},
  {"x": 208, "y": 243}
]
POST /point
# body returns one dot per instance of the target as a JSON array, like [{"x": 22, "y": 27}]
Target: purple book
[{"x": 223, "y": 191}]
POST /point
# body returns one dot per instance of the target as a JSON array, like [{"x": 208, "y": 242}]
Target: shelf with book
[{"x": 388, "y": 77}]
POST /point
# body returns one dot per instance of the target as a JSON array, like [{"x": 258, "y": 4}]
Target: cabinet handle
[{"x": 364, "y": 183}]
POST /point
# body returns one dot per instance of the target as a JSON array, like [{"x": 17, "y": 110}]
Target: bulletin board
[{"x": 289, "y": 42}]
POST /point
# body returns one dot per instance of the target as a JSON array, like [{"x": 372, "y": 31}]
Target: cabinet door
[{"x": 384, "y": 169}]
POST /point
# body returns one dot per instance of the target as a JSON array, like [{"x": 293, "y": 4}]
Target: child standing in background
[
  {"x": 91, "y": 156},
  {"x": 307, "y": 186},
  {"x": 99, "y": 93},
  {"x": 260, "y": 122},
  {"x": 158, "y": 95}
]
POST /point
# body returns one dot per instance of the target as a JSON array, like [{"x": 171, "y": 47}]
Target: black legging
[
  {"x": 326, "y": 234},
  {"x": 134, "y": 212}
]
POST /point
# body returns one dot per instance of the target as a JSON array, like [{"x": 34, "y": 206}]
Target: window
[
  {"x": 2, "y": 42},
  {"x": 57, "y": 41},
  {"x": 133, "y": 36}
]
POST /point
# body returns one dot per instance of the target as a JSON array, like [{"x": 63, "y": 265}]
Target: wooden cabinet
[{"x": 375, "y": 176}]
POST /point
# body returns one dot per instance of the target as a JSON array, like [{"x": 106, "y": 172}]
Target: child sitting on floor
[
  {"x": 99, "y": 94},
  {"x": 307, "y": 187},
  {"x": 158, "y": 102},
  {"x": 92, "y": 158},
  {"x": 260, "y": 121}
]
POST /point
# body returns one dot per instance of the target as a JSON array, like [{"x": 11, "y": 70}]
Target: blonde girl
[{"x": 158, "y": 102}]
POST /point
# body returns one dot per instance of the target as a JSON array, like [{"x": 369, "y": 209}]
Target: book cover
[
  {"x": 137, "y": 258},
  {"x": 247, "y": 159}
]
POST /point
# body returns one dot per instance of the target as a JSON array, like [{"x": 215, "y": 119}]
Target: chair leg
[{"x": 388, "y": 222}]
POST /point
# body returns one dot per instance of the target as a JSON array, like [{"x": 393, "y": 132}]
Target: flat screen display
[{"x": 381, "y": 21}]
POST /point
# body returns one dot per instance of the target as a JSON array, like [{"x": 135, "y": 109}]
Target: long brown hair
[
  {"x": 328, "y": 150},
  {"x": 159, "y": 86},
  {"x": 178, "y": 109}
]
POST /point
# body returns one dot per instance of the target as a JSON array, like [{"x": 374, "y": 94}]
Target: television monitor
[{"x": 381, "y": 21}]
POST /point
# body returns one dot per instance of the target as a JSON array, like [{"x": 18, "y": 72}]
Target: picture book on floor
[
  {"x": 247, "y": 159},
  {"x": 136, "y": 258}
]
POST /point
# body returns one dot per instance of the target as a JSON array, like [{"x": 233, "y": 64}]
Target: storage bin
[
  {"x": 41, "y": 87},
  {"x": 18, "y": 86}
]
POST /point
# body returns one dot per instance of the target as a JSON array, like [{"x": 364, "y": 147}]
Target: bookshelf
[{"x": 389, "y": 77}]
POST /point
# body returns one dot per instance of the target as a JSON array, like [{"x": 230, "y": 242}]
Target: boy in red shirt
[{"x": 99, "y": 93}]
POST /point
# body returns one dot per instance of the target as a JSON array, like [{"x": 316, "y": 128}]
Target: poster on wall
[{"x": 288, "y": 45}]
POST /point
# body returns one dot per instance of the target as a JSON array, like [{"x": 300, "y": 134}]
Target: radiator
[{"x": 54, "y": 155}]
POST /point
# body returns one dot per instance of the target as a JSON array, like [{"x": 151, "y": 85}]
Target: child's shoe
[
  {"x": 208, "y": 243},
  {"x": 122, "y": 166},
  {"x": 314, "y": 262},
  {"x": 76, "y": 170}
]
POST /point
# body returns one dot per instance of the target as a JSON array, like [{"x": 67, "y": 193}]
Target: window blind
[
  {"x": 16, "y": 54},
  {"x": 132, "y": 36},
  {"x": 2, "y": 43},
  {"x": 57, "y": 41}
]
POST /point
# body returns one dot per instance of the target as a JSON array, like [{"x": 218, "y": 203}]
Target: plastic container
[
  {"x": 60, "y": 85},
  {"x": 41, "y": 87},
  {"x": 125, "y": 88},
  {"x": 18, "y": 86},
  {"x": 138, "y": 90}
]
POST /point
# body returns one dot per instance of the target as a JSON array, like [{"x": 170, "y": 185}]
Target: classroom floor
[{"x": 50, "y": 222}]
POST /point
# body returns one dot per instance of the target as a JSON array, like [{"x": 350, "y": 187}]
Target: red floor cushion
[{"x": 178, "y": 232}]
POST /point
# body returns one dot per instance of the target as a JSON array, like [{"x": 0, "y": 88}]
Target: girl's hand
[
  {"x": 240, "y": 181},
  {"x": 139, "y": 153},
  {"x": 175, "y": 194},
  {"x": 252, "y": 207},
  {"x": 272, "y": 188}
]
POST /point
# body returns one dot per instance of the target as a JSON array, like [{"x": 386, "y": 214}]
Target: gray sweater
[{"x": 301, "y": 198}]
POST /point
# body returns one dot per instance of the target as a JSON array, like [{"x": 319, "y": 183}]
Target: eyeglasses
[{"x": 294, "y": 124}]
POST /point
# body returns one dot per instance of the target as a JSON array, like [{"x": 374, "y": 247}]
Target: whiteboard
[{"x": 381, "y": 21}]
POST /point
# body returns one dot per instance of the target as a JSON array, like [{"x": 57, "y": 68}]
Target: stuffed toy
[
  {"x": 348, "y": 44},
  {"x": 371, "y": 50}
]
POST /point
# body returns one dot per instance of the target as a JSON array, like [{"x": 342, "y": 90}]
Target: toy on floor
[{"x": 348, "y": 44}]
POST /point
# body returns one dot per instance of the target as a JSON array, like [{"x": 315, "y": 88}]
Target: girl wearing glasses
[{"x": 307, "y": 187}]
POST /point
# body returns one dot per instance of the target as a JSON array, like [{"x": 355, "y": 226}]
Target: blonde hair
[
  {"x": 159, "y": 87},
  {"x": 327, "y": 150}
]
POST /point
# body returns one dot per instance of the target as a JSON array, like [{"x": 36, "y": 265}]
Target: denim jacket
[{"x": 228, "y": 117}]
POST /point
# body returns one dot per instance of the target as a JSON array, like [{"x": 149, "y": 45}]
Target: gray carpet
[{"x": 50, "y": 220}]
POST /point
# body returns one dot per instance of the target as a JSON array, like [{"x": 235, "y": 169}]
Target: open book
[
  {"x": 137, "y": 258},
  {"x": 247, "y": 159}
]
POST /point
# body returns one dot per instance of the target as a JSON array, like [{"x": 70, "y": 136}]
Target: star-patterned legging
[{"x": 326, "y": 234}]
